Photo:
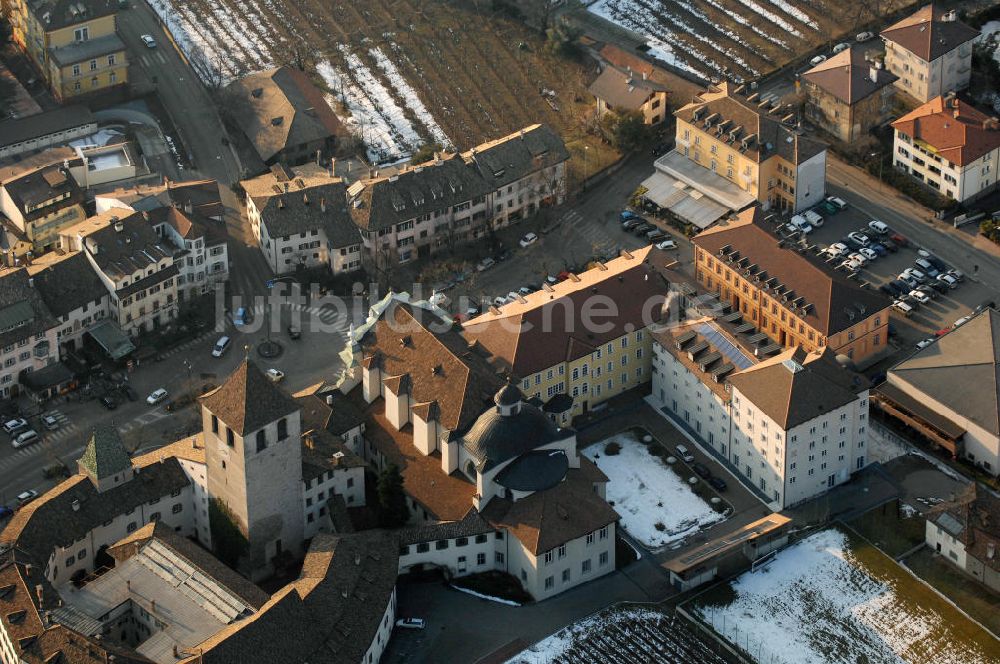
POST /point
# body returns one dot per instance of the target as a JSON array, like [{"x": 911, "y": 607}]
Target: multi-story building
[
  {"x": 787, "y": 294},
  {"x": 618, "y": 90},
  {"x": 753, "y": 144},
  {"x": 456, "y": 198},
  {"x": 40, "y": 201},
  {"x": 299, "y": 217},
  {"x": 790, "y": 426},
  {"x": 966, "y": 532},
  {"x": 562, "y": 350},
  {"x": 74, "y": 44},
  {"x": 135, "y": 264},
  {"x": 464, "y": 441},
  {"x": 948, "y": 392},
  {"x": 75, "y": 295},
  {"x": 28, "y": 340},
  {"x": 950, "y": 146},
  {"x": 931, "y": 53},
  {"x": 48, "y": 128},
  {"x": 847, "y": 95}
]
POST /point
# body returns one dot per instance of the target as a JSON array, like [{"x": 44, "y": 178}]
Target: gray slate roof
[
  {"x": 495, "y": 438},
  {"x": 23, "y": 313},
  {"x": 517, "y": 155},
  {"x": 86, "y": 50},
  {"x": 56, "y": 14},
  {"x": 338, "y": 418},
  {"x": 247, "y": 401},
  {"x": 960, "y": 371},
  {"x": 105, "y": 454},
  {"x": 68, "y": 284},
  {"x": 623, "y": 90},
  {"x": 535, "y": 471},
  {"x": 43, "y": 124}
]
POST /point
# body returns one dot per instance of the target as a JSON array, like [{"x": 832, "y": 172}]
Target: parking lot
[{"x": 945, "y": 305}]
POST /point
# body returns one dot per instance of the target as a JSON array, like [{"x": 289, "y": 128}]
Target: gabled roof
[
  {"x": 957, "y": 131},
  {"x": 105, "y": 454},
  {"x": 23, "y": 313},
  {"x": 733, "y": 110},
  {"x": 66, "y": 282},
  {"x": 57, "y": 14},
  {"x": 973, "y": 518},
  {"x": 57, "y": 120},
  {"x": 548, "y": 328},
  {"x": 517, "y": 155},
  {"x": 961, "y": 371},
  {"x": 624, "y": 90},
  {"x": 30, "y": 189},
  {"x": 930, "y": 32},
  {"x": 122, "y": 243},
  {"x": 281, "y": 108},
  {"x": 849, "y": 77},
  {"x": 248, "y": 401},
  {"x": 328, "y": 409},
  {"x": 794, "y": 387},
  {"x": 837, "y": 302}
]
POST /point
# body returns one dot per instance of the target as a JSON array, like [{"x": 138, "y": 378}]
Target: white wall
[
  {"x": 950, "y": 548},
  {"x": 810, "y": 182},
  {"x": 381, "y": 639}
]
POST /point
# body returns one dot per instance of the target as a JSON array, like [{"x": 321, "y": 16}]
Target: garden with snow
[
  {"x": 833, "y": 598},
  {"x": 658, "y": 507}
]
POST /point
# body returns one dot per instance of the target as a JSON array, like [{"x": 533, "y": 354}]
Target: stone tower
[{"x": 253, "y": 453}]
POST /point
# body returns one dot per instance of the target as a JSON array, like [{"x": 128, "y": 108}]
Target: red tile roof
[{"x": 958, "y": 131}]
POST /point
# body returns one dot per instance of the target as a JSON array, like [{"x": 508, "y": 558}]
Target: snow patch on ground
[
  {"x": 990, "y": 35},
  {"x": 553, "y": 647},
  {"x": 791, "y": 10},
  {"x": 100, "y": 138},
  {"x": 909, "y": 511},
  {"x": 646, "y": 492},
  {"x": 491, "y": 598},
  {"x": 817, "y": 604},
  {"x": 411, "y": 97}
]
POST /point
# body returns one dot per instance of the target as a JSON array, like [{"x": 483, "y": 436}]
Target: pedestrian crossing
[
  {"x": 152, "y": 59},
  {"x": 331, "y": 317},
  {"x": 574, "y": 224}
]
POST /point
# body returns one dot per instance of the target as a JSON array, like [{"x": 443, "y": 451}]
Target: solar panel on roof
[{"x": 724, "y": 346}]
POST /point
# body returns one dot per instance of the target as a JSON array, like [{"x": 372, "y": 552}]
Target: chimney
[
  {"x": 286, "y": 187},
  {"x": 31, "y": 282},
  {"x": 152, "y": 606},
  {"x": 188, "y": 207},
  {"x": 40, "y": 594},
  {"x": 76, "y": 504},
  {"x": 333, "y": 166},
  {"x": 281, "y": 203},
  {"x": 644, "y": 75},
  {"x": 329, "y": 400},
  {"x": 27, "y": 569},
  {"x": 322, "y": 205},
  {"x": 873, "y": 73},
  {"x": 305, "y": 199}
]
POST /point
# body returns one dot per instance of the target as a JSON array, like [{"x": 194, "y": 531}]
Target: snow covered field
[
  {"x": 626, "y": 635},
  {"x": 830, "y": 599},
  {"x": 646, "y": 493}
]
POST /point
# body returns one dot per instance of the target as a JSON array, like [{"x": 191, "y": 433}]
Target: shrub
[
  {"x": 612, "y": 448},
  {"x": 659, "y": 526}
]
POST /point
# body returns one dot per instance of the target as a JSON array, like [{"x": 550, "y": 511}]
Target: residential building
[
  {"x": 40, "y": 201},
  {"x": 463, "y": 440},
  {"x": 789, "y": 295},
  {"x": 28, "y": 340},
  {"x": 729, "y": 132},
  {"x": 966, "y": 533},
  {"x": 47, "y": 129},
  {"x": 947, "y": 392},
  {"x": 300, "y": 219},
  {"x": 284, "y": 116},
  {"x": 618, "y": 90},
  {"x": 198, "y": 197},
  {"x": 74, "y": 44},
  {"x": 848, "y": 96},
  {"x": 790, "y": 426},
  {"x": 74, "y": 294},
  {"x": 456, "y": 198},
  {"x": 950, "y": 146},
  {"x": 554, "y": 344},
  {"x": 931, "y": 53},
  {"x": 135, "y": 264}
]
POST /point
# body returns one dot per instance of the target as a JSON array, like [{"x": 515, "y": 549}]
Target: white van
[
  {"x": 902, "y": 307},
  {"x": 878, "y": 227},
  {"x": 221, "y": 346},
  {"x": 814, "y": 218}
]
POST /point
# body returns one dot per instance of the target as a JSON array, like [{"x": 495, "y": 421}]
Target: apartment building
[
  {"x": 560, "y": 346},
  {"x": 790, "y": 426},
  {"x": 74, "y": 44},
  {"x": 931, "y": 53},
  {"x": 966, "y": 533},
  {"x": 950, "y": 146},
  {"x": 28, "y": 340},
  {"x": 40, "y": 200},
  {"x": 788, "y": 294},
  {"x": 730, "y": 132},
  {"x": 74, "y": 294},
  {"x": 456, "y": 198},
  {"x": 618, "y": 90},
  {"x": 299, "y": 217},
  {"x": 848, "y": 95},
  {"x": 465, "y": 440},
  {"x": 135, "y": 264}
]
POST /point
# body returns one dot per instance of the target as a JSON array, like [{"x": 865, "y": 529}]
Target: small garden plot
[
  {"x": 622, "y": 635},
  {"x": 834, "y": 599},
  {"x": 657, "y": 506}
]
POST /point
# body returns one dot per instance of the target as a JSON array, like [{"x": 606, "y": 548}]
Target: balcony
[{"x": 41, "y": 350}]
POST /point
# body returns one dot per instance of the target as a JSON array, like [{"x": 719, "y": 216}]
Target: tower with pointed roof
[
  {"x": 105, "y": 460},
  {"x": 253, "y": 455}
]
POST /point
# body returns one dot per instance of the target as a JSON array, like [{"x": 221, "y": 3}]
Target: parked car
[
  {"x": 819, "y": 59},
  {"x": 839, "y": 203},
  {"x": 915, "y": 274},
  {"x": 860, "y": 238},
  {"x": 294, "y": 333},
  {"x": 643, "y": 228},
  {"x": 864, "y": 36},
  {"x": 938, "y": 263},
  {"x": 627, "y": 214},
  {"x": 701, "y": 469},
  {"x": 50, "y": 422},
  {"x": 957, "y": 275},
  {"x": 242, "y": 317},
  {"x": 221, "y": 346},
  {"x": 15, "y": 425},
  {"x": 902, "y": 307},
  {"x": 528, "y": 240},
  {"x": 878, "y": 248},
  {"x": 156, "y": 396},
  {"x": 842, "y": 46},
  {"x": 26, "y": 438},
  {"x": 939, "y": 286},
  {"x": 902, "y": 287},
  {"x": 499, "y": 301},
  {"x": 888, "y": 290},
  {"x": 632, "y": 223},
  {"x": 718, "y": 483},
  {"x": 411, "y": 623},
  {"x": 948, "y": 280},
  {"x": 919, "y": 296},
  {"x": 666, "y": 244},
  {"x": 924, "y": 343},
  {"x": 928, "y": 291},
  {"x": 837, "y": 249},
  {"x": 878, "y": 227},
  {"x": 814, "y": 218},
  {"x": 900, "y": 240},
  {"x": 982, "y": 306},
  {"x": 851, "y": 265},
  {"x": 684, "y": 453},
  {"x": 859, "y": 257},
  {"x": 26, "y": 497},
  {"x": 109, "y": 402},
  {"x": 524, "y": 290},
  {"x": 889, "y": 244},
  {"x": 655, "y": 235},
  {"x": 927, "y": 268},
  {"x": 868, "y": 253},
  {"x": 275, "y": 375},
  {"x": 6, "y": 512},
  {"x": 961, "y": 321},
  {"x": 485, "y": 264},
  {"x": 148, "y": 41}
]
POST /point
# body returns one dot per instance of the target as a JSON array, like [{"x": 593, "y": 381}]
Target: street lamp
[{"x": 880, "y": 163}]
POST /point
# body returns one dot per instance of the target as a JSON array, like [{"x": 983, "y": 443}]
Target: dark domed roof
[
  {"x": 495, "y": 438},
  {"x": 508, "y": 395},
  {"x": 535, "y": 471}
]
